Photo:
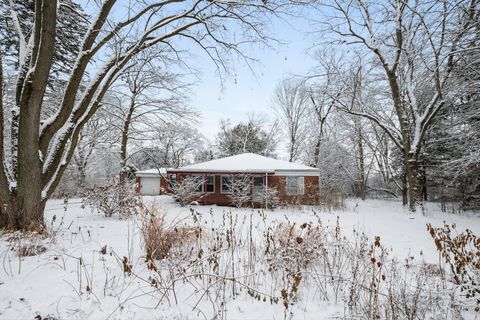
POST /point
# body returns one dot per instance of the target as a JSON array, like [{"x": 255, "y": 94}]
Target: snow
[
  {"x": 245, "y": 162},
  {"x": 151, "y": 172},
  {"x": 54, "y": 282}
]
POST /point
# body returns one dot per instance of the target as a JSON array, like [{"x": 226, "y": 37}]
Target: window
[
  {"x": 210, "y": 183},
  {"x": 226, "y": 184},
  {"x": 295, "y": 186}
]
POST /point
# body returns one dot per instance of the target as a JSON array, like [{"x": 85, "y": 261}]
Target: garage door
[{"x": 149, "y": 186}]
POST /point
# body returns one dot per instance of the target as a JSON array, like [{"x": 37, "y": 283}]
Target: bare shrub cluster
[
  {"x": 271, "y": 199},
  {"x": 113, "y": 199},
  {"x": 294, "y": 246},
  {"x": 358, "y": 273},
  {"x": 240, "y": 190},
  {"x": 187, "y": 190}
]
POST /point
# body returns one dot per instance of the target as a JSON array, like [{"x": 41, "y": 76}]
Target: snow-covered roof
[
  {"x": 151, "y": 172},
  {"x": 249, "y": 163}
]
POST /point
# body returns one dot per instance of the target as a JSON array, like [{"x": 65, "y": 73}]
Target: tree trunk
[
  {"x": 404, "y": 189},
  {"x": 414, "y": 190},
  {"x": 23, "y": 206},
  {"x": 124, "y": 143},
  {"x": 423, "y": 181},
  {"x": 361, "y": 164},
  {"x": 82, "y": 176}
]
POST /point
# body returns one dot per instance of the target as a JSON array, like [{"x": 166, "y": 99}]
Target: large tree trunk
[
  {"x": 414, "y": 189},
  {"x": 23, "y": 205}
]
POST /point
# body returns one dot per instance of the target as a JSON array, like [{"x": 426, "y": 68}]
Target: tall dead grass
[{"x": 161, "y": 239}]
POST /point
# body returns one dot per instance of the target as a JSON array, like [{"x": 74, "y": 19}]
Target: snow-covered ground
[{"x": 75, "y": 279}]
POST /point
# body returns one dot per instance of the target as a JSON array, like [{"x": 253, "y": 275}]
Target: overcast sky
[{"x": 247, "y": 92}]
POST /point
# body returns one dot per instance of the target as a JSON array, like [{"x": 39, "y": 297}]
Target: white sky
[{"x": 252, "y": 92}]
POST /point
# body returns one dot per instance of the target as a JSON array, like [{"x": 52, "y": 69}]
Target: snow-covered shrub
[
  {"x": 295, "y": 246},
  {"x": 161, "y": 240},
  {"x": 188, "y": 189},
  {"x": 412, "y": 292},
  {"x": 240, "y": 194},
  {"x": 113, "y": 199},
  {"x": 373, "y": 286},
  {"x": 271, "y": 199},
  {"x": 291, "y": 249}
]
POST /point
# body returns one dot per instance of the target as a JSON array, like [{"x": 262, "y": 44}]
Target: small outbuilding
[{"x": 295, "y": 183}]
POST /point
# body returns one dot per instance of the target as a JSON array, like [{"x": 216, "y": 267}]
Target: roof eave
[
  {"x": 219, "y": 171},
  {"x": 277, "y": 172}
]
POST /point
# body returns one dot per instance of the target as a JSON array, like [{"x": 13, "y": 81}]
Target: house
[
  {"x": 295, "y": 183},
  {"x": 152, "y": 182}
]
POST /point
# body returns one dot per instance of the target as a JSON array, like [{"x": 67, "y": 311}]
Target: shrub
[
  {"x": 240, "y": 194},
  {"x": 113, "y": 198},
  {"x": 271, "y": 198},
  {"x": 187, "y": 190},
  {"x": 295, "y": 246},
  {"x": 161, "y": 240},
  {"x": 462, "y": 254}
]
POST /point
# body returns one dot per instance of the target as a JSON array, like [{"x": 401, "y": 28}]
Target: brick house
[{"x": 296, "y": 183}]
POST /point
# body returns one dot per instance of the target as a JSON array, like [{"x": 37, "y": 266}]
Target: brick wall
[
  {"x": 164, "y": 186},
  {"x": 310, "y": 195}
]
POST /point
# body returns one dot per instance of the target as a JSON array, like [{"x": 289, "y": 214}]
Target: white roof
[
  {"x": 151, "y": 172},
  {"x": 251, "y": 163}
]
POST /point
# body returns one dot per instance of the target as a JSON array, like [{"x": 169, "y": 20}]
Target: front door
[{"x": 258, "y": 189}]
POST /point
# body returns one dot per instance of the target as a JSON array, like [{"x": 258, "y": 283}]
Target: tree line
[{"x": 390, "y": 107}]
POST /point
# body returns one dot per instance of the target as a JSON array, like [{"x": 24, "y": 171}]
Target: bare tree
[
  {"x": 414, "y": 44},
  {"x": 321, "y": 85},
  {"x": 30, "y": 174},
  {"x": 290, "y": 101},
  {"x": 94, "y": 136},
  {"x": 172, "y": 145},
  {"x": 146, "y": 96}
]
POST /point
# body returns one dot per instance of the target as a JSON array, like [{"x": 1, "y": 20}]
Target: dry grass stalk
[
  {"x": 27, "y": 244},
  {"x": 162, "y": 240}
]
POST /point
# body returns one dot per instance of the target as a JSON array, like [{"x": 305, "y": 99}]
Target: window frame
[
  {"x": 299, "y": 185},
  {"x": 207, "y": 184}
]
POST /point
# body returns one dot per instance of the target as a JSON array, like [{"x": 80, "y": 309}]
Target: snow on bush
[
  {"x": 240, "y": 190},
  {"x": 113, "y": 199},
  {"x": 26, "y": 244},
  {"x": 188, "y": 190},
  {"x": 270, "y": 196}
]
